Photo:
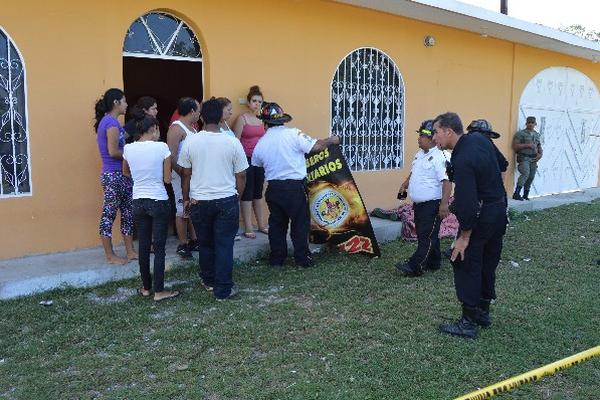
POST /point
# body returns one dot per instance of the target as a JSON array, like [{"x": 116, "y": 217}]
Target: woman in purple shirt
[{"x": 117, "y": 187}]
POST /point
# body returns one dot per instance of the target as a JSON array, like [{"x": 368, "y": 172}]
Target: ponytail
[{"x": 105, "y": 104}]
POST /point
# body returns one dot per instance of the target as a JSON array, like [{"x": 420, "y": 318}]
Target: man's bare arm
[
  {"x": 321, "y": 144},
  {"x": 174, "y": 137}
]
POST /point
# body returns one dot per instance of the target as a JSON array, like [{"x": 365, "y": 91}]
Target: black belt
[
  {"x": 428, "y": 201},
  {"x": 286, "y": 181},
  {"x": 194, "y": 201},
  {"x": 494, "y": 201}
]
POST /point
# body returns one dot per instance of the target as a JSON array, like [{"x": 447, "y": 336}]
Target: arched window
[
  {"x": 14, "y": 138},
  {"x": 367, "y": 110},
  {"x": 161, "y": 35}
]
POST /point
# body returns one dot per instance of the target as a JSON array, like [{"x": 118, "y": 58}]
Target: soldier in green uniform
[{"x": 526, "y": 144}]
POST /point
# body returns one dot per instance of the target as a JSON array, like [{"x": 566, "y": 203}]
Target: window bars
[
  {"x": 14, "y": 138},
  {"x": 160, "y": 35},
  {"x": 367, "y": 110}
]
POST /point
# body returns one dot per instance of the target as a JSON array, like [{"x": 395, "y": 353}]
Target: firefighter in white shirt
[
  {"x": 281, "y": 152},
  {"x": 429, "y": 189}
]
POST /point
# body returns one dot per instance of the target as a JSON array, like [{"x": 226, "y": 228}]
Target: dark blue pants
[
  {"x": 427, "y": 225},
  {"x": 216, "y": 223},
  {"x": 152, "y": 220},
  {"x": 475, "y": 277},
  {"x": 287, "y": 201}
]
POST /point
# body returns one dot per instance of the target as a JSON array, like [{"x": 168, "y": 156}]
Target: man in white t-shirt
[
  {"x": 189, "y": 112},
  {"x": 281, "y": 152},
  {"x": 429, "y": 189},
  {"x": 213, "y": 174}
]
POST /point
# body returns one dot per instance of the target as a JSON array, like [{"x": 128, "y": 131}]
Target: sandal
[
  {"x": 143, "y": 292},
  {"x": 169, "y": 295},
  {"x": 264, "y": 230},
  {"x": 250, "y": 235}
]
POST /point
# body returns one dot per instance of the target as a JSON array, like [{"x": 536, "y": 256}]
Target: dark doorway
[{"x": 165, "y": 80}]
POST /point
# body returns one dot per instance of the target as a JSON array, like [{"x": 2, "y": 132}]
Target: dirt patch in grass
[{"x": 122, "y": 295}]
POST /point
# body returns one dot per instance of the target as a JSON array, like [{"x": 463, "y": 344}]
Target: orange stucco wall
[{"x": 72, "y": 53}]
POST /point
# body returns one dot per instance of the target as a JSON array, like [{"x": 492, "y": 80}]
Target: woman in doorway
[
  {"x": 117, "y": 187},
  {"x": 227, "y": 113},
  {"x": 249, "y": 129},
  {"x": 148, "y": 163},
  {"x": 145, "y": 105}
]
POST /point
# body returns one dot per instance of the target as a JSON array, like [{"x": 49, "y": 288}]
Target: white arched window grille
[
  {"x": 367, "y": 110},
  {"x": 161, "y": 35},
  {"x": 14, "y": 138}
]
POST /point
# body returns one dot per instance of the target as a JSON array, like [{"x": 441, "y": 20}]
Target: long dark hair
[
  {"x": 106, "y": 103},
  {"x": 138, "y": 111},
  {"x": 143, "y": 125}
]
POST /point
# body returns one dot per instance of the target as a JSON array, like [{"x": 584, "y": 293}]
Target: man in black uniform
[
  {"x": 485, "y": 128},
  {"x": 480, "y": 207}
]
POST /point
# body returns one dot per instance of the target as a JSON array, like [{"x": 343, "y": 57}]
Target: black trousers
[
  {"x": 475, "y": 276},
  {"x": 427, "y": 225},
  {"x": 152, "y": 220},
  {"x": 287, "y": 201}
]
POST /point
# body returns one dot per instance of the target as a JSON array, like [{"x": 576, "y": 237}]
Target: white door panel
[{"x": 566, "y": 104}]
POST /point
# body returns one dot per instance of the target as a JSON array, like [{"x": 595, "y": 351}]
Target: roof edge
[{"x": 485, "y": 22}]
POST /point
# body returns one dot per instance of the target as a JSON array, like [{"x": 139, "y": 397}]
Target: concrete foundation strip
[{"x": 531, "y": 376}]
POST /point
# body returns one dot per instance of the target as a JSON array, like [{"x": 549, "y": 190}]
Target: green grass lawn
[{"x": 351, "y": 328}]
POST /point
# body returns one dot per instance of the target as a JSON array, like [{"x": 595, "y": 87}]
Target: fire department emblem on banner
[{"x": 330, "y": 208}]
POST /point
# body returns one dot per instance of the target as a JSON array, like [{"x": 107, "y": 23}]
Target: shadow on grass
[{"x": 350, "y": 328}]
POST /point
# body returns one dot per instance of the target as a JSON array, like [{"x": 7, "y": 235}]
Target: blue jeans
[
  {"x": 151, "y": 220},
  {"x": 216, "y": 222}
]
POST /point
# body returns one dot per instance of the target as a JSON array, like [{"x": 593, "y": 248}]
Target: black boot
[
  {"x": 483, "y": 316},
  {"x": 465, "y": 327},
  {"x": 517, "y": 194},
  {"x": 407, "y": 270},
  {"x": 526, "y": 194}
]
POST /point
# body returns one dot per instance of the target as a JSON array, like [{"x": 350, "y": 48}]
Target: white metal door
[{"x": 566, "y": 104}]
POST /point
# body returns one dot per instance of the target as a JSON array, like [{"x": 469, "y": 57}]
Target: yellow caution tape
[{"x": 531, "y": 376}]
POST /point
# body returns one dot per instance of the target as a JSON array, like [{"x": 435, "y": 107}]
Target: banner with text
[{"x": 338, "y": 214}]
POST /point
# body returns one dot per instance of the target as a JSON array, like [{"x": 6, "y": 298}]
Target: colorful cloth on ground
[{"x": 405, "y": 214}]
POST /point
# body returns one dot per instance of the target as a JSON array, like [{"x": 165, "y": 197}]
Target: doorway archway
[{"x": 162, "y": 58}]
